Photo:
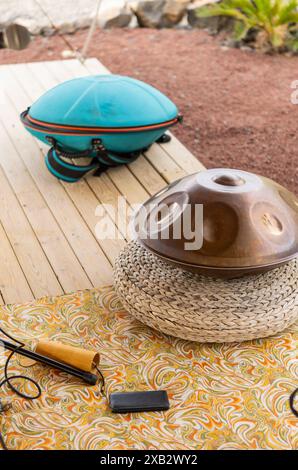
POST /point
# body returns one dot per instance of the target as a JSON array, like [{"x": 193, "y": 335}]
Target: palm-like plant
[{"x": 275, "y": 20}]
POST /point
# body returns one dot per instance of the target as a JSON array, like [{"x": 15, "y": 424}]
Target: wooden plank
[
  {"x": 128, "y": 185},
  {"x": 61, "y": 257},
  {"x": 38, "y": 69},
  {"x": 83, "y": 242},
  {"x": 31, "y": 257},
  {"x": 182, "y": 156},
  {"x": 164, "y": 164},
  {"x": 58, "y": 251},
  {"x": 57, "y": 70},
  {"x": 147, "y": 175},
  {"x": 13, "y": 283},
  {"x": 87, "y": 203},
  {"x": 108, "y": 194},
  {"x": 93, "y": 66}
]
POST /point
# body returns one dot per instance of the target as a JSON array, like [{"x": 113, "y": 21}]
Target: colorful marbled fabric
[{"x": 232, "y": 396}]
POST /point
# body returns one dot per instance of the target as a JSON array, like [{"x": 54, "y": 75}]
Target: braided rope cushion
[{"x": 204, "y": 309}]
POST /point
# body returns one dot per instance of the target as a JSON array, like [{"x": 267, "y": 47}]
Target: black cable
[
  {"x": 2, "y": 443},
  {"x": 8, "y": 379},
  {"x": 102, "y": 387},
  {"x": 292, "y": 399}
]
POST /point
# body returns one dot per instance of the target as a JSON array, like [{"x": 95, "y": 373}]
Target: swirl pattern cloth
[{"x": 222, "y": 396}]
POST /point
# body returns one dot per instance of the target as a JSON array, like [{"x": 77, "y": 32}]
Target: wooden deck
[{"x": 47, "y": 231}]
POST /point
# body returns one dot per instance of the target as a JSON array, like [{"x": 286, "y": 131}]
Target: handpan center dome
[{"x": 229, "y": 180}]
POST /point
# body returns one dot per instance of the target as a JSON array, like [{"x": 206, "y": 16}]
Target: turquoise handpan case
[{"x": 109, "y": 119}]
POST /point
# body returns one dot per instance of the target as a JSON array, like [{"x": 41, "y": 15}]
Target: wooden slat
[
  {"x": 13, "y": 283},
  {"x": 55, "y": 70},
  {"x": 82, "y": 241},
  {"x": 164, "y": 164},
  {"x": 58, "y": 70},
  {"x": 182, "y": 156},
  {"x": 92, "y": 65},
  {"x": 147, "y": 175},
  {"x": 31, "y": 257},
  {"x": 128, "y": 185},
  {"x": 61, "y": 257},
  {"x": 109, "y": 195}
]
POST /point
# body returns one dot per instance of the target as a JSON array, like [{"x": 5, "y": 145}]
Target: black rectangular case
[{"x": 132, "y": 402}]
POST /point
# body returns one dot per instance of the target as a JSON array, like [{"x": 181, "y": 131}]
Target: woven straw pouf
[{"x": 204, "y": 309}]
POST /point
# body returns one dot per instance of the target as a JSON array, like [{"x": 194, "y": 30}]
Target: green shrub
[{"x": 274, "y": 20}]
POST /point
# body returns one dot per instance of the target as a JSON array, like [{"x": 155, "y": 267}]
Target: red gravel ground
[{"x": 236, "y": 103}]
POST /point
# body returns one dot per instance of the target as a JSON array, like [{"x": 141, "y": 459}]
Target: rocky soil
[{"x": 236, "y": 103}]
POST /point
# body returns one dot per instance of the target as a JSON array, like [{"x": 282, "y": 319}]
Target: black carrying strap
[
  {"x": 68, "y": 171},
  {"x": 96, "y": 146},
  {"x": 101, "y": 161}
]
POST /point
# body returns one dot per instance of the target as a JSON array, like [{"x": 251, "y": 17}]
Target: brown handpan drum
[{"x": 249, "y": 223}]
